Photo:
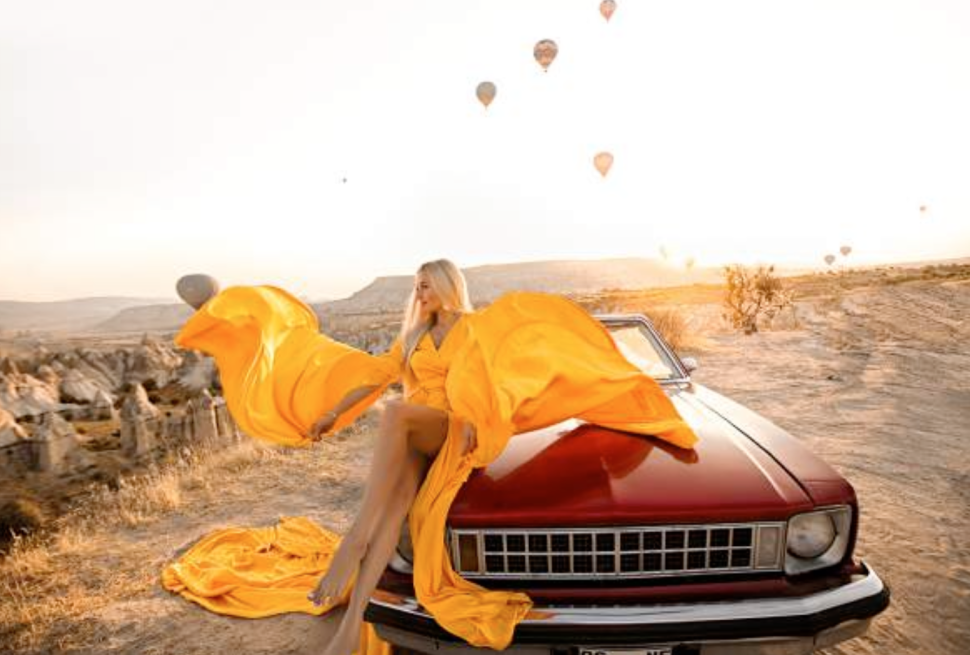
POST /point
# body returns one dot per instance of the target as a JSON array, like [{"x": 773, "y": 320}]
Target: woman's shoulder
[{"x": 459, "y": 330}]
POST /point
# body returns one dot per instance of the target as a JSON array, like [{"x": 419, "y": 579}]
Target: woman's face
[{"x": 428, "y": 300}]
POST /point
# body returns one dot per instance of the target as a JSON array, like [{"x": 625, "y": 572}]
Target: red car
[{"x": 743, "y": 545}]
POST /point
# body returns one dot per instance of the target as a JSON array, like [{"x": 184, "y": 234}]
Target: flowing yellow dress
[{"x": 526, "y": 361}]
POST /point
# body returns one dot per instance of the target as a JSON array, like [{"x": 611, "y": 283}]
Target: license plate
[{"x": 646, "y": 650}]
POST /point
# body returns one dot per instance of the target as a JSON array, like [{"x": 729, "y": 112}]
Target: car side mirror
[{"x": 689, "y": 363}]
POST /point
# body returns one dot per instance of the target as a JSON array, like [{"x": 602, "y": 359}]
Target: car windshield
[{"x": 639, "y": 346}]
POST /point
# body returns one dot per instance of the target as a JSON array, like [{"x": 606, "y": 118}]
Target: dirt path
[{"x": 878, "y": 384}]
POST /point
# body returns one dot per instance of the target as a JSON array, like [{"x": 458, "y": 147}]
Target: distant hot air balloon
[
  {"x": 845, "y": 250},
  {"x": 486, "y": 93},
  {"x": 544, "y": 52},
  {"x": 607, "y": 7},
  {"x": 922, "y": 209},
  {"x": 603, "y": 161},
  {"x": 197, "y": 288},
  {"x": 829, "y": 259},
  {"x": 689, "y": 263}
]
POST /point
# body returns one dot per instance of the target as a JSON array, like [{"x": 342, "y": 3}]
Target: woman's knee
[
  {"x": 394, "y": 415},
  {"x": 425, "y": 429}
]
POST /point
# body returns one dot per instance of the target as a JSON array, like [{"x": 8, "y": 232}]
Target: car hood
[{"x": 576, "y": 473}]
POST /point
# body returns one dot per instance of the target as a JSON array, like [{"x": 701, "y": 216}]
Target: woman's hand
[{"x": 323, "y": 425}]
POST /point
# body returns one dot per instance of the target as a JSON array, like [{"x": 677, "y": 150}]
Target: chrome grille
[{"x": 635, "y": 551}]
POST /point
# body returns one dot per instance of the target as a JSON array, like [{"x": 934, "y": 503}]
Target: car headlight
[
  {"x": 817, "y": 539},
  {"x": 810, "y": 535}
]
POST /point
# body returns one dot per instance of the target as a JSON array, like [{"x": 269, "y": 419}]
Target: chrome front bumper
[{"x": 777, "y": 626}]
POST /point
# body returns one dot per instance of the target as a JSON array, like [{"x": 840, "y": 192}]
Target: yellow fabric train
[{"x": 526, "y": 361}]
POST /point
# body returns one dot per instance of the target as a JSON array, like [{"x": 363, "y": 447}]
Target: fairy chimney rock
[
  {"x": 137, "y": 405},
  {"x": 56, "y": 439},
  {"x": 201, "y": 413},
  {"x": 139, "y": 422},
  {"x": 103, "y": 406}
]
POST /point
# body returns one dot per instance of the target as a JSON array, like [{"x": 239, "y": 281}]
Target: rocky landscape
[{"x": 76, "y": 415}]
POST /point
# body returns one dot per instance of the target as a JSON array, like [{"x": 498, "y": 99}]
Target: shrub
[{"x": 753, "y": 295}]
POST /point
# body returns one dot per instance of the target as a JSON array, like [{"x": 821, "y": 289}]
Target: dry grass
[
  {"x": 672, "y": 324},
  {"x": 143, "y": 498},
  {"x": 49, "y": 589},
  {"x": 51, "y": 582}
]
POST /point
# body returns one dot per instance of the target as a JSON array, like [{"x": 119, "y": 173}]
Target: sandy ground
[
  {"x": 876, "y": 380},
  {"x": 878, "y": 384}
]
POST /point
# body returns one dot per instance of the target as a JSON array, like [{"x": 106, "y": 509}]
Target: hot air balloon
[
  {"x": 196, "y": 289},
  {"x": 603, "y": 161},
  {"x": 689, "y": 263},
  {"x": 845, "y": 250},
  {"x": 486, "y": 93},
  {"x": 607, "y": 7},
  {"x": 544, "y": 52},
  {"x": 829, "y": 259},
  {"x": 922, "y": 209}
]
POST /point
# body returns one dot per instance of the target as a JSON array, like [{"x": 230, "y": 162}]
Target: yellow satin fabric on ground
[
  {"x": 527, "y": 361},
  {"x": 259, "y": 572}
]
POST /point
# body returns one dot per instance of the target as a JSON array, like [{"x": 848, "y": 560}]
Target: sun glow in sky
[{"x": 316, "y": 145}]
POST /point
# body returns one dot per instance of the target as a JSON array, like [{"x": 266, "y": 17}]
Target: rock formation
[
  {"x": 22, "y": 395},
  {"x": 102, "y": 407},
  {"x": 10, "y": 432},
  {"x": 197, "y": 372},
  {"x": 139, "y": 422},
  {"x": 56, "y": 442}
]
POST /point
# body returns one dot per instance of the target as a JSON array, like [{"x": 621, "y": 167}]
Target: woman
[
  {"x": 472, "y": 379},
  {"x": 411, "y": 432}
]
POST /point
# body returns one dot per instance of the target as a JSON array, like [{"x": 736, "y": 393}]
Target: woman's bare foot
[{"x": 343, "y": 567}]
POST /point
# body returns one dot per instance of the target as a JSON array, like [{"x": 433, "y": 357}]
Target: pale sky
[{"x": 140, "y": 141}]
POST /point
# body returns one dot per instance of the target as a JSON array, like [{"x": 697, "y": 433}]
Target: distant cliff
[
  {"x": 485, "y": 283},
  {"x": 153, "y": 318},
  {"x": 66, "y": 315}
]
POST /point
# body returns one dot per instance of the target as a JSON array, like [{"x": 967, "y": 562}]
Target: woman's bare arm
[
  {"x": 326, "y": 422},
  {"x": 354, "y": 397}
]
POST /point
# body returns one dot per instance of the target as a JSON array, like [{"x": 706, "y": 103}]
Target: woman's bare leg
[
  {"x": 379, "y": 551},
  {"x": 402, "y": 424}
]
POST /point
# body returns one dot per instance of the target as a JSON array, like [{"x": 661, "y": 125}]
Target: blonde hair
[{"x": 449, "y": 284}]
